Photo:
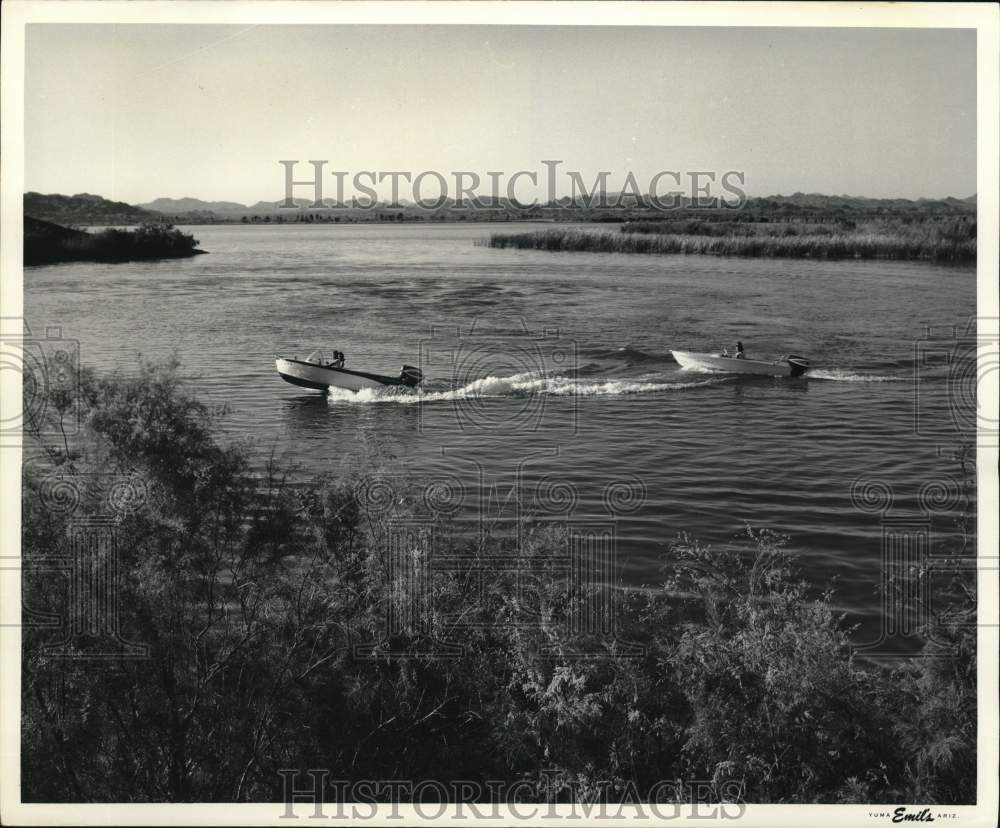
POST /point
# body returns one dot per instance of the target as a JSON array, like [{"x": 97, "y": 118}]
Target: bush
[
  {"x": 252, "y": 593},
  {"x": 46, "y": 243},
  {"x": 777, "y": 703}
]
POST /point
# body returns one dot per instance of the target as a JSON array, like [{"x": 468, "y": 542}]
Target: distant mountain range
[
  {"x": 805, "y": 200},
  {"x": 85, "y": 208},
  {"x": 192, "y": 205},
  {"x": 828, "y": 202},
  {"x": 174, "y": 206}
]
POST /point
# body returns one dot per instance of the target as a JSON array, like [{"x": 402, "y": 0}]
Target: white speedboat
[
  {"x": 790, "y": 366},
  {"x": 319, "y": 373}
]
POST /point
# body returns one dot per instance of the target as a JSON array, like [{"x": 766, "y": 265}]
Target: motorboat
[
  {"x": 789, "y": 366},
  {"x": 320, "y": 373}
]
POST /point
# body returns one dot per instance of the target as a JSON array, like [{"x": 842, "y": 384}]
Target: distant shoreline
[
  {"x": 48, "y": 243},
  {"x": 801, "y": 226},
  {"x": 87, "y": 209}
]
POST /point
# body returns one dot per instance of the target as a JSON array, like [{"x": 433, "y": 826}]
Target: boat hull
[
  {"x": 321, "y": 377},
  {"x": 792, "y": 367}
]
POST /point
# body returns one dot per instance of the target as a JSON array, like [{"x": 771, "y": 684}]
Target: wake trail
[
  {"x": 519, "y": 385},
  {"x": 844, "y": 375}
]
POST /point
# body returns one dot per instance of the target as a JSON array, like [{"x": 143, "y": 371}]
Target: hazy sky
[{"x": 138, "y": 112}]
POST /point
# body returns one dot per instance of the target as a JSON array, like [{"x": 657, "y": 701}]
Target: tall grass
[
  {"x": 800, "y": 241},
  {"x": 953, "y": 229}
]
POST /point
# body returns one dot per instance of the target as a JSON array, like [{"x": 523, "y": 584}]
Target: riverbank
[
  {"x": 48, "y": 243},
  {"x": 950, "y": 241}
]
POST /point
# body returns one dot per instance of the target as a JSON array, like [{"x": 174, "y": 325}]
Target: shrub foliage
[
  {"x": 252, "y": 593},
  {"x": 46, "y": 243}
]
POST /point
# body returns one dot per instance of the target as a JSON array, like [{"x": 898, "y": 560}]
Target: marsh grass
[{"x": 951, "y": 241}]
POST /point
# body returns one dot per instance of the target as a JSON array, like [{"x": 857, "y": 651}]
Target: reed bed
[
  {"x": 701, "y": 227},
  {"x": 827, "y": 244}
]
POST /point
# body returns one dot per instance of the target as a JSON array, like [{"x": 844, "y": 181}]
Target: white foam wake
[
  {"x": 517, "y": 385},
  {"x": 842, "y": 375}
]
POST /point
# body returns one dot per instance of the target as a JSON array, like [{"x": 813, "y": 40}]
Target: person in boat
[{"x": 740, "y": 353}]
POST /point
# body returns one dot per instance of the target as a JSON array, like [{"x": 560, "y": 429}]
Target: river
[{"x": 550, "y": 385}]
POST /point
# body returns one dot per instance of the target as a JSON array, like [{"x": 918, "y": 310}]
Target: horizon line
[{"x": 410, "y": 202}]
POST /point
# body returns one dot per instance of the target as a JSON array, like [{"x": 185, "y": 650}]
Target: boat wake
[
  {"x": 843, "y": 375},
  {"x": 626, "y": 353},
  {"x": 828, "y": 374},
  {"x": 519, "y": 385}
]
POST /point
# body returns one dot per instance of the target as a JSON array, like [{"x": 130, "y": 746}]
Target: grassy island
[
  {"x": 48, "y": 243},
  {"x": 951, "y": 239}
]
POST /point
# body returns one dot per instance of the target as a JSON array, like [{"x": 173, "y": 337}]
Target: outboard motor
[
  {"x": 799, "y": 365},
  {"x": 410, "y": 376}
]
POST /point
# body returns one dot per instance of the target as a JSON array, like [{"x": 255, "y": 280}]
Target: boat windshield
[{"x": 317, "y": 357}]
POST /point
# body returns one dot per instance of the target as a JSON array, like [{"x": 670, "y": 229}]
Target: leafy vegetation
[
  {"x": 254, "y": 594},
  {"x": 46, "y": 243}
]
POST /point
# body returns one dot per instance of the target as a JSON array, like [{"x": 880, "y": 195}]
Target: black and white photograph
[{"x": 523, "y": 413}]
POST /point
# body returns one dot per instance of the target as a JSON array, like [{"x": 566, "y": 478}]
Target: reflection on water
[
  {"x": 328, "y": 433},
  {"x": 305, "y": 413}
]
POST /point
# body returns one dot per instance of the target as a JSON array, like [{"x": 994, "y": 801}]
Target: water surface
[{"x": 552, "y": 371}]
